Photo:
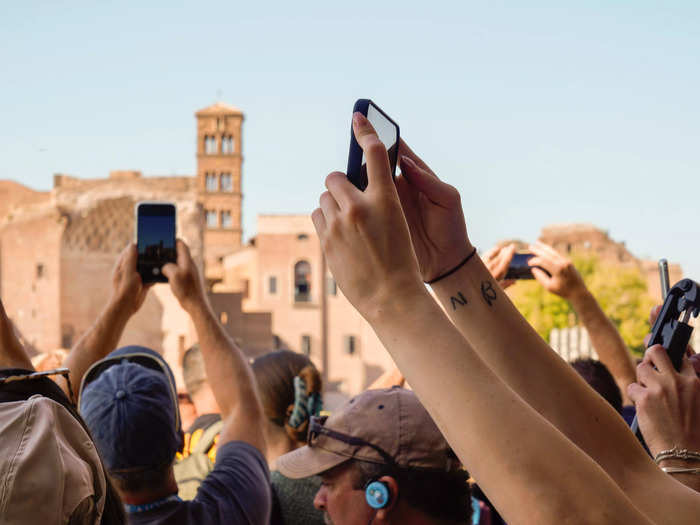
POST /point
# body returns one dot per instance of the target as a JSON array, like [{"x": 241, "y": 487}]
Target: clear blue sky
[{"x": 555, "y": 112}]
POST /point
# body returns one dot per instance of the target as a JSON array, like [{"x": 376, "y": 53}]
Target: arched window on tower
[
  {"x": 226, "y": 221},
  {"x": 209, "y": 144},
  {"x": 302, "y": 282},
  {"x": 211, "y": 182},
  {"x": 227, "y": 146},
  {"x": 212, "y": 219},
  {"x": 226, "y": 182}
]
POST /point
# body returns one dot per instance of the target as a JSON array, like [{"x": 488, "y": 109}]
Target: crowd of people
[{"x": 491, "y": 427}]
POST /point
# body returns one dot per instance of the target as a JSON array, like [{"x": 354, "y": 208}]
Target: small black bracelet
[{"x": 453, "y": 270}]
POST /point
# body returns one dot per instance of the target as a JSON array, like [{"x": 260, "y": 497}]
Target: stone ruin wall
[
  {"x": 587, "y": 238},
  {"x": 76, "y": 232},
  {"x": 100, "y": 222}
]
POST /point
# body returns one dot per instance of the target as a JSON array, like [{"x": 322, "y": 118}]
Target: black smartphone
[
  {"x": 518, "y": 267},
  {"x": 155, "y": 239},
  {"x": 388, "y": 132}
]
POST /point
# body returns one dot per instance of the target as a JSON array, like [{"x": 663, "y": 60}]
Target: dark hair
[
  {"x": 141, "y": 481},
  {"x": 274, "y": 373},
  {"x": 439, "y": 494},
  {"x": 597, "y": 375},
  {"x": 193, "y": 372}
]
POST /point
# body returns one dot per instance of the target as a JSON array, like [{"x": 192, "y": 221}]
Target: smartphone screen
[
  {"x": 519, "y": 267},
  {"x": 155, "y": 239},
  {"x": 388, "y": 133}
]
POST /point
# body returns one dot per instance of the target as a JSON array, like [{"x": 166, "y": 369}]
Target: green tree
[{"x": 621, "y": 292}]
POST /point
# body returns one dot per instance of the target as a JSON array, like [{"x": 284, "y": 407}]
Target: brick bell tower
[{"x": 219, "y": 162}]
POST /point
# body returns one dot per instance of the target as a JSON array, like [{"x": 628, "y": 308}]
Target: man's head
[
  {"x": 597, "y": 375},
  {"x": 129, "y": 403},
  {"x": 195, "y": 376},
  {"x": 382, "y": 458}
]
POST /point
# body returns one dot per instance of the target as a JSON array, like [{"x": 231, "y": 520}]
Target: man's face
[{"x": 341, "y": 501}]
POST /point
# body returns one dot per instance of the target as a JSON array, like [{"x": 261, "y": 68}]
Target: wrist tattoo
[
  {"x": 488, "y": 292},
  {"x": 459, "y": 300}
]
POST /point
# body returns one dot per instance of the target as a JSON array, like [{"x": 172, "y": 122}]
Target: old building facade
[
  {"x": 58, "y": 248},
  {"x": 282, "y": 271},
  {"x": 587, "y": 238}
]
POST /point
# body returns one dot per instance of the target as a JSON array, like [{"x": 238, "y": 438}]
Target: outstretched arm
[
  {"x": 565, "y": 281},
  {"x": 503, "y": 441},
  {"x": 128, "y": 294},
  {"x": 668, "y": 407},
  {"x": 228, "y": 372},
  {"x": 12, "y": 354},
  {"x": 513, "y": 350},
  {"x": 392, "y": 377}
]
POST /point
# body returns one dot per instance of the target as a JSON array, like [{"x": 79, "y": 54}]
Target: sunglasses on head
[
  {"x": 317, "y": 428},
  {"x": 29, "y": 376}
]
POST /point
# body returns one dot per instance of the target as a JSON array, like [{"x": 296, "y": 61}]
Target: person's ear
[{"x": 383, "y": 514}]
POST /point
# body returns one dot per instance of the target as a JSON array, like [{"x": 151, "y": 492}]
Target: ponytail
[{"x": 307, "y": 402}]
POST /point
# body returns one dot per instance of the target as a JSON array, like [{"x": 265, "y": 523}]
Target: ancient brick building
[
  {"x": 567, "y": 238},
  {"x": 219, "y": 160},
  {"x": 282, "y": 272},
  {"x": 57, "y": 248}
]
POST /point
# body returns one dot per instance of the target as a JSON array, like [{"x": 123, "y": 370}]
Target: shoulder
[
  {"x": 295, "y": 499},
  {"x": 238, "y": 487}
]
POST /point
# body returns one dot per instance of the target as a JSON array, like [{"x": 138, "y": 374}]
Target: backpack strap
[{"x": 207, "y": 439}]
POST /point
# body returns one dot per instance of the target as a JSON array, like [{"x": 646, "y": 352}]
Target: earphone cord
[{"x": 372, "y": 518}]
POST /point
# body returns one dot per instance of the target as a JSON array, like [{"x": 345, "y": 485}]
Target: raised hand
[
  {"x": 433, "y": 211},
  {"x": 184, "y": 278},
  {"x": 128, "y": 291},
  {"x": 364, "y": 234},
  {"x": 564, "y": 279},
  {"x": 667, "y": 402},
  {"x": 497, "y": 260}
]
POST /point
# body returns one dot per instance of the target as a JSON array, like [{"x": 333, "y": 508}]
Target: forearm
[
  {"x": 392, "y": 377},
  {"x": 514, "y": 351},
  {"x": 606, "y": 340},
  {"x": 230, "y": 378},
  {"x": 689, "y": 480},
  {"x": 481, "y": 417},
  {"x": 12, "y": 354},
  {"x": 101, "y": 339}
]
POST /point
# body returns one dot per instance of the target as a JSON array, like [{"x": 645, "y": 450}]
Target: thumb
[
  {"x": 687, "y": 367},
  {"x": 635, "y": 391},
  {"x": 169, "y": 270},
  {"x": 376, "y": 156},
  {"x": 438, "y": 192}
]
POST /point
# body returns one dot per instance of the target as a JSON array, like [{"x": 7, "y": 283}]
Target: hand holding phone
[
  {"x": 155, "y": 239},
  {"x": 387, "y": 131},
  {"x": 519, "y": 267}
]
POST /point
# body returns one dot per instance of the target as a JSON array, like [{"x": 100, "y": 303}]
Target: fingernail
[
  {"x": 358, "y": 118},
  {"x": 408, "y": 160}
]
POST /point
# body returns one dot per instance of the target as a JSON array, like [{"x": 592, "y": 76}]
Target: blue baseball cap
[{"x": 129, "y": 402}]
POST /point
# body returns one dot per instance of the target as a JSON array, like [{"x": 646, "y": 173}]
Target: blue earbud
[{"x": 377, "y": 494}]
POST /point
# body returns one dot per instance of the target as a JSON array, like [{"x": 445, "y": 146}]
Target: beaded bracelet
[{"x": 677, "y": 453}]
